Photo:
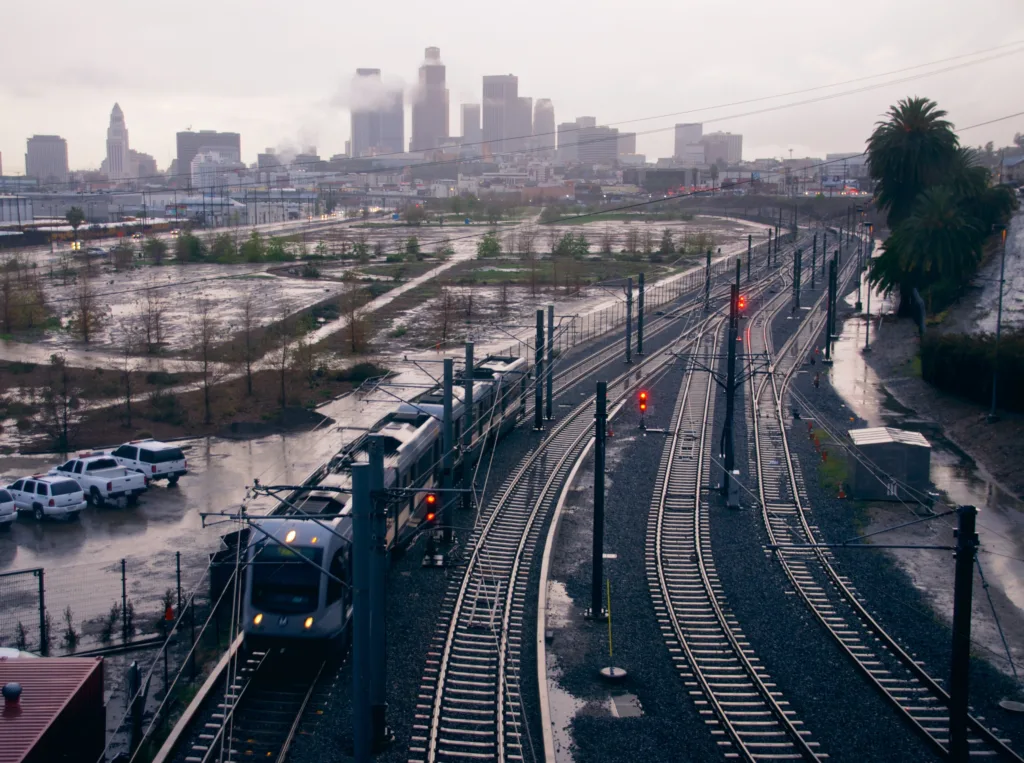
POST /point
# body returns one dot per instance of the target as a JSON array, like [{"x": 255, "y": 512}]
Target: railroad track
[
  {"x": 259, "y": 712},
  {"x": 830, "y": 596},
  {"x": 470, "y": 703},
  {"x": 733, "y": 693}
]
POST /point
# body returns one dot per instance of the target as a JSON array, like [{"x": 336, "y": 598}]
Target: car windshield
[
  {"x": 161, "y": 456},
  {"x": 284, "y": 584},
  {"x": 5, "y": 497},
  {"x": 102, "y": 463},
  {"x": 64, "y": 487}
]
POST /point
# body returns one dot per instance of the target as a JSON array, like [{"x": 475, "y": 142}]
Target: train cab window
[
  {"x": 283, "y": 583},
  {"x": 339, "y": 570}
]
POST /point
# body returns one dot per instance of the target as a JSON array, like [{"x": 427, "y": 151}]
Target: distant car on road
[
  {"x": 156, "y": 460},
  {"x": 47, "y": 496},
  {"x": 102, "y": 479},
  {"x": 7, "y": 511}
]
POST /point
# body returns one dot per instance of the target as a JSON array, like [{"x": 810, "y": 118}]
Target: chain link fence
[{"x": 67, "y": 609}]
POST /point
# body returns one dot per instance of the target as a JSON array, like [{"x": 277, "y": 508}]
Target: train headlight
[
  {"x": 258, "y": 619},
  {"x": 308, "y": 623},
  {"x": 290, "y": 536}
]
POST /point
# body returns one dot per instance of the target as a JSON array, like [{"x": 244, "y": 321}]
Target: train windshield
[{"x": 283, "y": 579}]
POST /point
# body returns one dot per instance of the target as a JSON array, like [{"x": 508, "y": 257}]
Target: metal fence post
[
  {"x": 124, "y": 599},
  {"x": 44, "y": 648},
  {"x": 177, "y": 575}
]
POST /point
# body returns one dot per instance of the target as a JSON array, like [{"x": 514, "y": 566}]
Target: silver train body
[{"x": 294, "y": 565}]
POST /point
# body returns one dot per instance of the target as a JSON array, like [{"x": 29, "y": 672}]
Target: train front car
[{"x": 298, "y": 581}]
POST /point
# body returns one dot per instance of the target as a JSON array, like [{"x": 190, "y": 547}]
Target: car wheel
[
  {"x": 95, "y": 498},
  {"x": 132, "y": 500},
  {"x": 172, "y": 481},
  {"x": 6, "y": 527},
  {"x": 37, "y": 512}
]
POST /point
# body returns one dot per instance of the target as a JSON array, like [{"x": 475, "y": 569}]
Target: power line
[{"x": 1015, "y": 45}]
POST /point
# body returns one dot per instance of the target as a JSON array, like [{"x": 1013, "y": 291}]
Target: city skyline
[{"x": 70, "y": 93}]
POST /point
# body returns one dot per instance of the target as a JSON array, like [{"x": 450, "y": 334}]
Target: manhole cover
[{"x": 1012, "y": 705}]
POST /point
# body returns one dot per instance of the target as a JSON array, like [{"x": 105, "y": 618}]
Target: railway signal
[
  {"x": 741, "y": 303},
  {"x": 643, "y": 401},
  {"x": 431, "y": 501}
]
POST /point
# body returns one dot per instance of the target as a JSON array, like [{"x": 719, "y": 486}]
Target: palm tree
[{"x": 908, "y": 152}]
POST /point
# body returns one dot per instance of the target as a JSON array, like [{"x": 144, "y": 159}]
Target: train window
[
  {"x": 424, "y": 465},
  {"x": 339, "y": 570},
  {"x": 282, "y": 582}
]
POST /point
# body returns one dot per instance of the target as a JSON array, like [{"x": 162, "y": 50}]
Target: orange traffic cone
[
  {"x": 841, "y": 493},
  {"x": 824, "y": 456},
  {"x": 169, "y": 614}
]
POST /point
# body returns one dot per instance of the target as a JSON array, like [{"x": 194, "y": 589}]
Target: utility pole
[
  {"x": 448, "y": 445},
  {"x": 778, "y": 230},
  {"x": 378, "y": 597},
  {"x": 707, "y": 283},
  {"x": 729, "y": 490},
  {"x": 640, "y": 317},
  {"x": 750, "y": 245},
  {"x": 867, "y": 323},
  {"x": 629, "y": 321},
  {"x": 999, "y": 329},
  {"x": 538, "y": 373},
  {"x": 769, "y": 247},
  {"x": 829, "y": 313},
  {"x": 739, "y": 265},
  {"x": 361, "y": 539},
  {"x": 834, "y": 278},
  {"x": 467, "y": 429},
  {"x": 597, "y": 573},
  {"x": 814, "y": 257},
  {"x": 959, "y": 674},
  {"x": 797, "y": 267},
  {"x": 549, "y": 368}
]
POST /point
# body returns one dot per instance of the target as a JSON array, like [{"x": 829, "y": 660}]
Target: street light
[
  {"x": 867, "y": 315},
  {"x": 860, "y": 259},
  {"x": 999, "y": 324}
]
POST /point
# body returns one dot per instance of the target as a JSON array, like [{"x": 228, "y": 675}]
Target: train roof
[
  {"x": 493, "y": 365},
  {"x": 307, "y": 532}
]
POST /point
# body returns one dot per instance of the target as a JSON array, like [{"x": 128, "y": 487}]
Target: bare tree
[
  {"x": 59, "y": 416},
  {"x": 648, "y": 241},
  {"x": 130, "y": 342},
  {"x": 445, "y": 315},
  {"x": 503, "y": 300},
  {"x": 123, "y": 255},
  {"x": 204, "y": 332},
  {"x": 283, "y": 351},
  {"x": 607, "y": 240},
  {"x": 250, "y": 346},
  {"x": 632, "y": 240},
  {"x": 510, "y": 240},
  {"x": 307, "y": 358},
  {"x": 87, "y": 312},
  {"x": 152, "y": 314},
  {"x": 467, "y": 304},
  {"x": 357, "y": 329}
]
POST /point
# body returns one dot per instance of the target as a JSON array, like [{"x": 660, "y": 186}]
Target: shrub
[
  {"x": 962, "y": 364},
  {"x": 165, "y": 407}
]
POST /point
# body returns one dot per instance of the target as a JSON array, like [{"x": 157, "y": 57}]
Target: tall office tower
[
  {"x": 627, "y": 143},
  {"x": 392, "y": 123},
  {"x": 687, "y": 135},
  {"x": 722, "y": 147},
  {"x": 366, "y": 89},
  {"x": 46, "y": 159},
  {"x": 520, "y": 132},
  {"x": 500, "y": 103},
  {"x": 118, "y": 162},
  {"x": 378, "y": 116},
  {"x": 472, "y": 135},
  {"x": 586, "y": 122},
  {"x": 597, "y": 145},
  {"x": 430, "y": 109},
  {"x": 191, "y": 143},
  {"x": 544, "y": 137}
]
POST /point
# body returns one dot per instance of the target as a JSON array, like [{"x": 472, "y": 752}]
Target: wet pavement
[{"x": 960, "y": 481}]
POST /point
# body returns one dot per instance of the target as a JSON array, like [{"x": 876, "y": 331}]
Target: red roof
[{"x": 47, "y": 685}]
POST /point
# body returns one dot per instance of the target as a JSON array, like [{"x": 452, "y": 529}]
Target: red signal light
[
  {"x": 643, "y": 401},
  {"x": 741, "y": 302},
  {"x": 431, "y": 516},
  {"x": 431, "y": 499}
]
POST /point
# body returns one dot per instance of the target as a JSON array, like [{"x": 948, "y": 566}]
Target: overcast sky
[{"x": 277, "y": 72}]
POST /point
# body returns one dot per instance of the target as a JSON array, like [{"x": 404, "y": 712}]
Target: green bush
[
  {"x": 360, "y": 372},
  {"x": 961, "y": 364},
  {"x": 161, "y": 378}
]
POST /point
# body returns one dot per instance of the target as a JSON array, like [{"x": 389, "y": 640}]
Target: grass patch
[{"x": 833, "y": 471}]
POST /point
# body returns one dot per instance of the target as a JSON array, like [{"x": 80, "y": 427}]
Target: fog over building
[
  {"x": 688, "y": 134},
  {"x": 430, "y": 107},
  {"x": 46, "y": 158},
  {"x": 378, "y": 116},
  {"x": 544, "y": 134},
  {"x": 500, "y": 104},
  {"x": 472, "y": 135}
]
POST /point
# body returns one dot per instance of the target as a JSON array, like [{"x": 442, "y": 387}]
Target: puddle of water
[{"x": 625, "y": 705}]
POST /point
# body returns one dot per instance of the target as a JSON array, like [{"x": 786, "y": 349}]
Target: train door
[{"x": 339, "y": 590}]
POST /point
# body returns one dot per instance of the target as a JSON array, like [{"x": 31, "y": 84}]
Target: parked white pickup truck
[{"x": 102, "y": 479}]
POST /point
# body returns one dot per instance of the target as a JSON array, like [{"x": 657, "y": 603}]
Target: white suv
[
  {"x": 7, "y": 511},
  {"x": 157, "y": 460},
  {"x": 47, "y": 496}
]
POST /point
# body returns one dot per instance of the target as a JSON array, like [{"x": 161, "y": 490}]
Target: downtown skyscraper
[
  {"x": 544, "y": 129},
  {"x": 378, "y": 116},
  {"x": 430, "y": 107},
  {"x": 501, "y": 112}
]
